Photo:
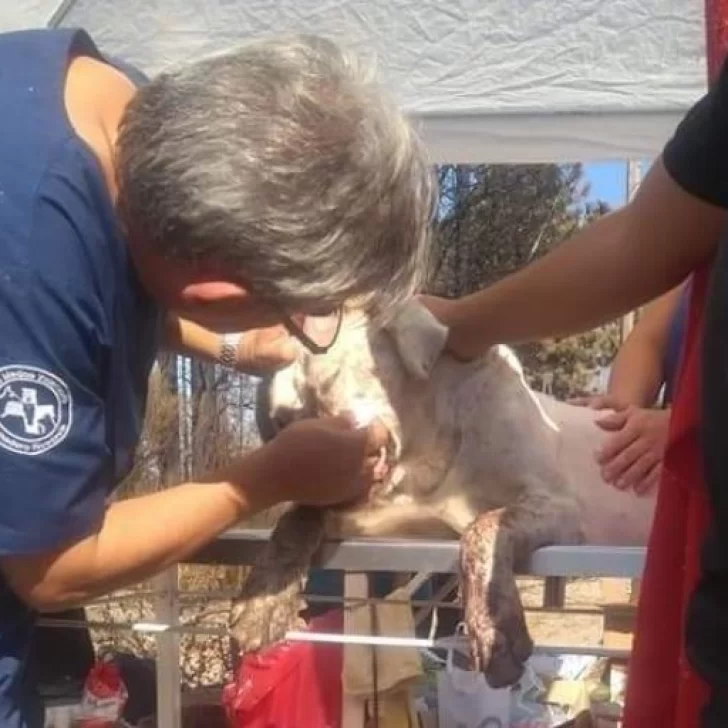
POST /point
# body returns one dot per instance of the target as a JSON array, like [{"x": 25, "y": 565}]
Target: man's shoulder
[{"x": 64, "y": 258}]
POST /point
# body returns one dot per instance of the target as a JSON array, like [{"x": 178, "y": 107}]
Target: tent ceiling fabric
[{"x": 494, "y": 81}]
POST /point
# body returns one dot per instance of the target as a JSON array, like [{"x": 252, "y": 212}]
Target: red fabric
[
  {"x": 663, "y": 692},
  {"x": 289, "y": 685},
  {"x": 716, "y": 27}
]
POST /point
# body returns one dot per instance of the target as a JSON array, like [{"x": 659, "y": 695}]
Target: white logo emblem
[{"x": 35, "y": 410}]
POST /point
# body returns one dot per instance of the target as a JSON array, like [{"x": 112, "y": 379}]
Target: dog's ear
[{"x": 419, "y": 337}]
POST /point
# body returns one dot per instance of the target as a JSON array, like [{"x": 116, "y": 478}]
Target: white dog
[{"x": 474, "y": 452}]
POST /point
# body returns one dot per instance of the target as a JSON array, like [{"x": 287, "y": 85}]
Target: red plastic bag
[
  {"x": 104, "y": 698},
  {"x": 289, "y": 685}
]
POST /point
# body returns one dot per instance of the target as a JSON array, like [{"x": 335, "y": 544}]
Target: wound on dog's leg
[
  {"x": 270, "y": 601},
  {"x": 491, "y": 548}
]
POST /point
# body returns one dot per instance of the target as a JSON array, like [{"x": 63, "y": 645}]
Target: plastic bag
[
  {"x": 465, "y": 700},
  {"x": 289, "y": 685},
  {"x": 104, "y": 698}
]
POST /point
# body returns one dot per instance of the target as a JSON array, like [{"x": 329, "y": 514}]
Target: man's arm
[
  {"x": 637, "y": 371},
  {"x": 141, "y": 536},
  {"x": 191, "y": 339},
  {"x": 611, "y": 267},
  {"x": 137, "y": 539},
  {"x": 258, "y": 349}
]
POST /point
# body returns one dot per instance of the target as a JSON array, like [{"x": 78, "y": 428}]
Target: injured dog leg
[
  {"x": 270, "y": 600},
  {"x": 492, "y": 548}
]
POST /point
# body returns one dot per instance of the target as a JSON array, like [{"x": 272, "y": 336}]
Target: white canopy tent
[
  {"x": 498, "y": 81},
  {"x": 490, "y": 80}
]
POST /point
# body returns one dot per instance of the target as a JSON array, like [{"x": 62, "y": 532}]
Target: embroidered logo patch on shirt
[{"x": 35, "y": 410}]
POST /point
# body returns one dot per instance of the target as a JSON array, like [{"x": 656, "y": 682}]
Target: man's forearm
[
  {"x": 186, "y": 337},
  {"x": 138, "y": 538},
  {"x": 609, "y": 268}
]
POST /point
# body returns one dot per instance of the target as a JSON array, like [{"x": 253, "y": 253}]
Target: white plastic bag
[{"x": 465, "y": 700}]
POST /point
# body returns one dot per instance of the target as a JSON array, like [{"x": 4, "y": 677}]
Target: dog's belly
[{"x": 611, "y": 517}]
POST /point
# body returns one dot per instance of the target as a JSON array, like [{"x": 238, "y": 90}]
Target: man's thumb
[{"x": 377, "y": 436}]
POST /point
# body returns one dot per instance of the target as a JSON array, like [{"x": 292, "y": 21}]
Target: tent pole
[{"x": 60, "y": 13}]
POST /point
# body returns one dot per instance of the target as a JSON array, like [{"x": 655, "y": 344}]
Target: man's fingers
[
  {"x": 377, "y": 437},
  {"x": 373, "y": 437},
  {"x": 286, "y": 350}
]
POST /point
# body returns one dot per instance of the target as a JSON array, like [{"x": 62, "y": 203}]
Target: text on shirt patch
[{"x": 35, "y": 410}]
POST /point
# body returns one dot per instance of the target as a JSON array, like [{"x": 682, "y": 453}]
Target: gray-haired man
[{"x": 262, "y": 188}]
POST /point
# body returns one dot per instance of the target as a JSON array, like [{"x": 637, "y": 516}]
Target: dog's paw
[
  {"x": 499, "y": 645},
  {"x": 498, "y": 634}
]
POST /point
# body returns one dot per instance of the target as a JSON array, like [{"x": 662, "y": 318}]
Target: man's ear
[{"x": 419, "y": 337}]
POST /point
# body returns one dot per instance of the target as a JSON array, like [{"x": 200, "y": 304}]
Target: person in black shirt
[{"x": 674, "y": 225}]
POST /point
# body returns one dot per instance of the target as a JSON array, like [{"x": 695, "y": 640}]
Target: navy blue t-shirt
[{"x": 78, "y": 334}]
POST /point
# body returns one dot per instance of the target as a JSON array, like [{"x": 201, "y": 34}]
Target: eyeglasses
[{"x": 318, "y": 333}]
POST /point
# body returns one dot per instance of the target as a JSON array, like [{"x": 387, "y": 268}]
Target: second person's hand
[
  {"x": 451, "y": 312},
  {"x": 631, "y": 456}
]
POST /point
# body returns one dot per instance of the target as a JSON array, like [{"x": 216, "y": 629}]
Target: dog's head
[{"x": 371, "y": 371}]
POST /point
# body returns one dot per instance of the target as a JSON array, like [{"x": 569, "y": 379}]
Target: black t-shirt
[{"x": 697, "y": 159}]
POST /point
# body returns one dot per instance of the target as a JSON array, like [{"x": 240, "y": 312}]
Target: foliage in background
[{"x": 496, "y": 219}]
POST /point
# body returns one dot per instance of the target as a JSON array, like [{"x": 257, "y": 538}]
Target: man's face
[
  {"x": 210, "y": 299},
  {"x": 229, "y": 315}
]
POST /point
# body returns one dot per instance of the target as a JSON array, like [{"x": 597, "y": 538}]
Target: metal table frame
[{"x": 242, "y": 546}]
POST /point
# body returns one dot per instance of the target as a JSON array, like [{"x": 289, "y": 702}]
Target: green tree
[{"x": 496, "y": 219}]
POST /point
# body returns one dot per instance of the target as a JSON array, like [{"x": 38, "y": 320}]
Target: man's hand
[
  {"x": 632, "y": 456},
  {"x": 265, "y": 350},
  {"x": 258, "y": 351},
  {"x": 315, "y": 461},
  {"x": 318, "y": 462}
]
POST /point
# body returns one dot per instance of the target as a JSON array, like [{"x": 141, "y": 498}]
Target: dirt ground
[{"x": 578, "y": 630}]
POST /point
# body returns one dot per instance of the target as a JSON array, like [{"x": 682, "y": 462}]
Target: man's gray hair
[{"x": 284, "y": 162}]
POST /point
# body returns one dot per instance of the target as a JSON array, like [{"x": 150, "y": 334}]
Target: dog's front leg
[
  {"x": 270, "y": 601},
  {"x": 492, "y": 548}
]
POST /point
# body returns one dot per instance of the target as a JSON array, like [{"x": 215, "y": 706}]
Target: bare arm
[
  {"x": 186, "y": 337},
  {"x": 637, "y": 371},
  {"x": 319, "y": 462},
  {"x": 138, "y": 538},
  {"x": 611, "y": 267},
  {"x": 259, "y": 350}
]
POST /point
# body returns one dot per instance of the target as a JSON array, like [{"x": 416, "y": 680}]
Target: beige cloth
[{"x": 396, "y": 666}]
